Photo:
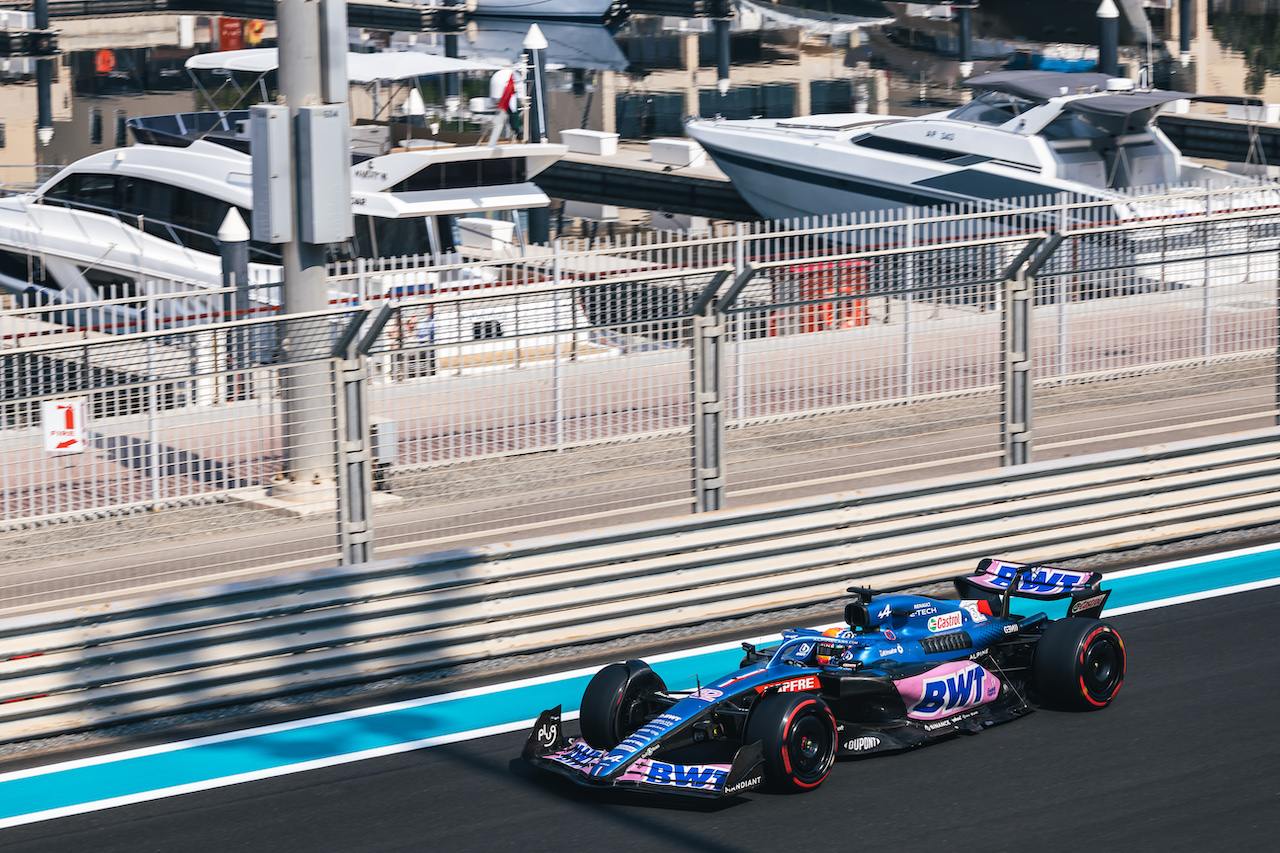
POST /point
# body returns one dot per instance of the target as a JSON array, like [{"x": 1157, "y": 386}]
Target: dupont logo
[
  {"x": 862, "y": 744},
  {"x": 945, "y": 622},
  {"x": 792, "y": 685}
]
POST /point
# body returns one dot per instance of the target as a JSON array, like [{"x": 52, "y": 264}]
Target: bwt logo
[
  {"x": 1044, "y": 580},
  {"x": 951, "y": 692},
  {"x": 683, "y": 775}
]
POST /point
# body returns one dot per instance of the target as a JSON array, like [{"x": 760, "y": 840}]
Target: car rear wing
[{"x": 1003, "y": 579}]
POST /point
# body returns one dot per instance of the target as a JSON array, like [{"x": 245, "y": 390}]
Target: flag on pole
[{"x": 509, "y": 103}]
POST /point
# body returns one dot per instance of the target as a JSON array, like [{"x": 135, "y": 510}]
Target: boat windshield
[
  {"x": 1071, "y": 126},
  {"x": 993, "y": 108}
]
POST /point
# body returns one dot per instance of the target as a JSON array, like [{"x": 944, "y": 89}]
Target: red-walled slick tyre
[
  {"x": 799, "y": 736},
  {"x": 1079, "y": 664}
]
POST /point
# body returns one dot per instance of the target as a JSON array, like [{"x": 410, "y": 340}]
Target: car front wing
[{"x": 575, "y": 760}]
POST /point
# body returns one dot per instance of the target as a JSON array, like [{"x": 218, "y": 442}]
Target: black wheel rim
[
  {"x": 809, "y": 747},
  {"x": 1101, "y": 668}
]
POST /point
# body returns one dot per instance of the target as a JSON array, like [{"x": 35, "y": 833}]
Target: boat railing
[{"x": 189, "y": 238}]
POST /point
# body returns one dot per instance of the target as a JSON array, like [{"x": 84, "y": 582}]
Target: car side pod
[{"x": 548, "y": 748}]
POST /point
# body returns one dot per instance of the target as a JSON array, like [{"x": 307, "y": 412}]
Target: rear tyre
[
  {"x": 615, "y": 703},
  {"x": 798, "y": 732},
  {"x": 1078, "y": 664}
]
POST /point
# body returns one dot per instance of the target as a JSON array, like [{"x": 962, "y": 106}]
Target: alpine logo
[
  {"x": 792, "y": 685},
  {"x": 945, "y": 622},
  {"x": 884, "y": 614}
]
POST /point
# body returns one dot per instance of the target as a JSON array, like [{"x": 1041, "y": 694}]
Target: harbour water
[{"x": 638, "y": 75}]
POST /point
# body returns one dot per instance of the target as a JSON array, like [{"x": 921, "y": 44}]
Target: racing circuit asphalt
[{"x": 1187, "y": 758}]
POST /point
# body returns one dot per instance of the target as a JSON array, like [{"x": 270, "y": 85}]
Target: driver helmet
[{"x": 828, "y": 652}]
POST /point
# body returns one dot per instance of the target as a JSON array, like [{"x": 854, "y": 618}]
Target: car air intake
[{"x": 956, "y": 641}]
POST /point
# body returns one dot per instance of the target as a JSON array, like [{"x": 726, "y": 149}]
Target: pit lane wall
[{"x": 94, "y": 666}]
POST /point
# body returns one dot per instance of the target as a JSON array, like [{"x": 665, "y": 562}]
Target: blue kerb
[{"x": 203, "y": 762}]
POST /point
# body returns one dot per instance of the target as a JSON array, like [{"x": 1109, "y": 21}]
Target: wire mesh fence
[{"x": 559, "y": 390}]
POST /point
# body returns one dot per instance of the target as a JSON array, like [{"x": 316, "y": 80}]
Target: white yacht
[
  {"x": 143, "y": 220},
  {"x": 1027, "y": 133}
]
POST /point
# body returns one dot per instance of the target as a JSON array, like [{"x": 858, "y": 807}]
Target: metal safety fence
[
  {"x": 91, "y": 667},
  {"x": 574, "y": 385}
]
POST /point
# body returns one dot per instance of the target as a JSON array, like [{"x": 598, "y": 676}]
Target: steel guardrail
[{"x": 92, "y": 666}]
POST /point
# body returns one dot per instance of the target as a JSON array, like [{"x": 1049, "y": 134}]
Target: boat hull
[{"x": 785, "y": 179}]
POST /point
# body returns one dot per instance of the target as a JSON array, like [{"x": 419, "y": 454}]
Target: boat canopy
[
  {"x": 361, "y": 67},
  {"x": 1117, "y": 112},
  {"x": 1040, "y": 85}
]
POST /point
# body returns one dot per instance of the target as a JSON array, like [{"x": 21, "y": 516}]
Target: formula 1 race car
[{"x": 907, "y": 671}]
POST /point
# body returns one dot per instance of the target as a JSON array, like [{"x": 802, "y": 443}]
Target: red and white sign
[
  {"x": 63, "y": 423},
  {"x": 229, "y": 33}
]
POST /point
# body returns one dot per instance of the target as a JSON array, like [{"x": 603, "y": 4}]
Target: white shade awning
[{"x": 361, "y": 67}]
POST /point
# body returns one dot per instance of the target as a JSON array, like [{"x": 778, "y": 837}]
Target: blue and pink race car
[{"x": 906, "y": 671}]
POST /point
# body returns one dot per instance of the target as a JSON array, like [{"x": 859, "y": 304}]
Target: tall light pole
[{"x": 310, "y": 124}]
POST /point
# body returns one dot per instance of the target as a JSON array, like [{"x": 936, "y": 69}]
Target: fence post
[
  {"x": 708, "y": 410},
  {"x": 354, "y": 457},
  {"x": 1018, "y": 348},
  {"x": 1016, "y": 399},
  {"x": 708, "y": 331},
  {"x": 557, "y": 378}
]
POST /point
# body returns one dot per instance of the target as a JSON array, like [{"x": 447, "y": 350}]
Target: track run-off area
[{"x": 1185, "y": 759}]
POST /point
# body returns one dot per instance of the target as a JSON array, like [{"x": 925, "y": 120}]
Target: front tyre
[
  {"x": 798, "y": 732},
  {"x": 1079, "y": 664},
  {"x": 616, "y": 702}
]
